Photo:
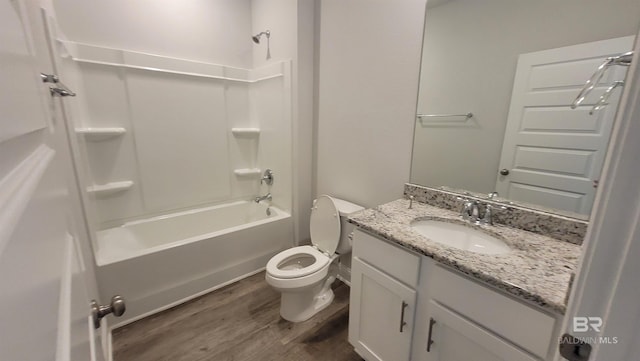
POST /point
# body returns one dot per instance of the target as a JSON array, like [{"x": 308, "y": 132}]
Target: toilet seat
[
  {"x": 320, "y": 261},
  {"x": 324, "y": 227}
]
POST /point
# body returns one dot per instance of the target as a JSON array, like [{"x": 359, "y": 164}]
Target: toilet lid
[{"x": 325, "y": 225}]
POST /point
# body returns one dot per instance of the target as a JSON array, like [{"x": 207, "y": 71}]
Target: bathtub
[{"x": 162, "y": 261}]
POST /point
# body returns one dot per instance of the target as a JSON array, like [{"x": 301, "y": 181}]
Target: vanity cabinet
[
  {"x": 448, "y": 316},
  {"x": 383, "y": 300}
]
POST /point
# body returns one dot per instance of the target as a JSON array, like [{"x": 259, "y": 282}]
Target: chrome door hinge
[{"x": 60, "y": 89}]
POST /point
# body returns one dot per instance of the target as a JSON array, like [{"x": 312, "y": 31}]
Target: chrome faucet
[
  {"x": 262, "y": 198},
  {"x": 471, "y": 210}
]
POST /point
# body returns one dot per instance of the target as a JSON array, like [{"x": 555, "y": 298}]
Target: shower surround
[{"x": 164, "y": 141}]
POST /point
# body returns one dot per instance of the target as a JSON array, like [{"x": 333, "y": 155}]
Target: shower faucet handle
[{"x": 267, "y": 177}]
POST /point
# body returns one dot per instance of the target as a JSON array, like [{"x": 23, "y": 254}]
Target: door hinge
[{"x": 60, "y": 89}]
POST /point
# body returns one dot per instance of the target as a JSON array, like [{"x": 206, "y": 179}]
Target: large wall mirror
[{"x": 497, "y": 82}]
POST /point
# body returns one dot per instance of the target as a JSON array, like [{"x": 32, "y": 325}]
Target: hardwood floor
[{"x": 240, "y": 322}]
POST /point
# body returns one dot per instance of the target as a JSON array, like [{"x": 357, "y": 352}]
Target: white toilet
[{"x": 302, "y": 273}]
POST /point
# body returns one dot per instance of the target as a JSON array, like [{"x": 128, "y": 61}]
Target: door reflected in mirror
[{"x": 517, "y": 66}]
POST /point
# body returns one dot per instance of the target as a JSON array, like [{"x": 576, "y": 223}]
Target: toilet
[{"x": 303, "y": 274}]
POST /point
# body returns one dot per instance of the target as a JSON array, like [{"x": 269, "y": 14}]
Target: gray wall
[
  {"x": 469, "y": 62},
  {"x": 369, "y": 60}
]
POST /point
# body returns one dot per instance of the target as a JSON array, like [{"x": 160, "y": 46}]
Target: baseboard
[{"x": 344, "y": 274}]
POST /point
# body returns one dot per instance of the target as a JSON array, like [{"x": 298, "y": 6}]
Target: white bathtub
[{"x": 162, "y": 261}]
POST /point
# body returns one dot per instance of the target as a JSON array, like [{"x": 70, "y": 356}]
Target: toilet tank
[{"x": 345, "y": 208}]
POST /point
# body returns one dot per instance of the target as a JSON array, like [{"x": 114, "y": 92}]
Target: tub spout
[{"x": 262, "y": 198}]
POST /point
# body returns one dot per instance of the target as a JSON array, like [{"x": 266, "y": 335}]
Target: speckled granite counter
[{"x": 539, "y": 269}]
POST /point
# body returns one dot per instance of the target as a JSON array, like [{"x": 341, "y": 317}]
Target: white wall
[
  {"x": 201, "y": 30},
  {"x": 280, "y": 17},
  {"x": 368, "y": 81},
  {"x": 303, "y": 139},
  {"x": 469, "y": 63},
  {"x": 291, "y": 25}
]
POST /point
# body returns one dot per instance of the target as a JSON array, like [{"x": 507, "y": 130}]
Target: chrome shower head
[{"x": 256, "y": 38}]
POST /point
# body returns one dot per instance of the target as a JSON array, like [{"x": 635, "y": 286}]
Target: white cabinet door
[
  {"x": 381, "y": 314},
  {"x": 454, "y": 338}
]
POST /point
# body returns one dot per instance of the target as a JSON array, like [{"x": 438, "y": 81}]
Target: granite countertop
[{"x": 539, "y": 268}]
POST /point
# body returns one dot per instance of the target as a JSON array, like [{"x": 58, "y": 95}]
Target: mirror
[{"x": 496, "y": 84}]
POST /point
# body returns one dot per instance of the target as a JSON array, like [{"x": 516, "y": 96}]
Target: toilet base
[{"x": 301, "y": 306}]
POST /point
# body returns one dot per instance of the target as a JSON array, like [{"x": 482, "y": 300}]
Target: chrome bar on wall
[
  {"x": 431, "y": 116},
  {"x": 622, "y": 59}
]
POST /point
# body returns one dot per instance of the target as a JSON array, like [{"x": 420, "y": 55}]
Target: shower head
[{"x": 256, "y": 38}]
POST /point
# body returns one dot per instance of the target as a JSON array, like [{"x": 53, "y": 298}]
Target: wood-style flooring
[{"x": 240, "y": 322}]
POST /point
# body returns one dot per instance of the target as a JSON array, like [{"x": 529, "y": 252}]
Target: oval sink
[{"x": 460, "y": 236}]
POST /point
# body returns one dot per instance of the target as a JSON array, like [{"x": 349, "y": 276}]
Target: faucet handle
[
  {"x": 267, "y": 177},
  {"x": 467, "y": 207},
  {"x": 411, "y": 198},
  {"x": 487, "y": 218}
]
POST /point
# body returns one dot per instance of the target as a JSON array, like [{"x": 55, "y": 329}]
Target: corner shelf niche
[
  {"x": 109, "y": 189},
  {"x": 245, "y": 132},
  {"x": 100, "y": 134},
  {"x": 247, "y": 172}
]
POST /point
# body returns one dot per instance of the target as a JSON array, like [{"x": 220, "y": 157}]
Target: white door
[
  {"x": 553, "y": 154},
  {"x": 455, "y": 338},
  {"x": 604, "y": 308},
  {"x": 44, "y": 304},
  {"x": 381, "y": 314}
]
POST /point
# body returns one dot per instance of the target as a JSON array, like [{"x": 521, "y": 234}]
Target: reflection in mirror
[{"x": 517, "y": 66}]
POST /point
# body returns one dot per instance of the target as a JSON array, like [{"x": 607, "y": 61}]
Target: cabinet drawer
[
  {"x": 515, "y": 321},
  {"x": 393, "y": 260}
]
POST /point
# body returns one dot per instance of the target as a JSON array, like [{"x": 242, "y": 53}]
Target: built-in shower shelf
[
  {"x": 109, "y": 189},
  {"x": 99, "y": 134},
  {"x": 246, "y": 132},
  {"x": 247, "y": 172}
]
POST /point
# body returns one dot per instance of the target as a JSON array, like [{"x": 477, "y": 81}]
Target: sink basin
[{"x": 460, "y": 236}]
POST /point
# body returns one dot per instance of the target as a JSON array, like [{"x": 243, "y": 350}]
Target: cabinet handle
[
  {"x": 402, "y": 323},
  {"x": 429, "y": 340}
]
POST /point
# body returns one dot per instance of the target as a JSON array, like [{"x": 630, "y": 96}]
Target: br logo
[{"x": 584, "y": 324}]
